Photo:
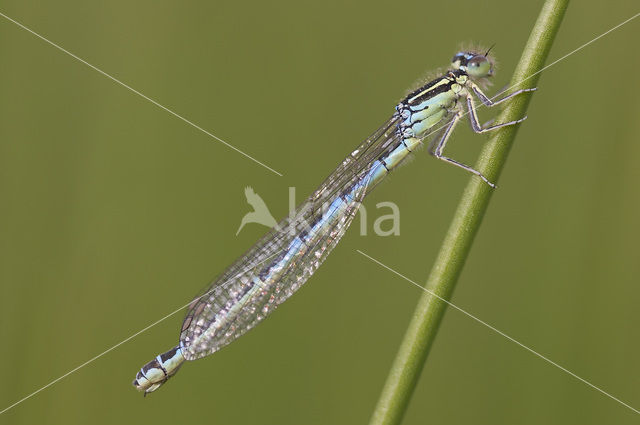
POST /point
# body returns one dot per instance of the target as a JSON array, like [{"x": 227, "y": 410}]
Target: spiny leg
[
  {"x": 437, "y": 147},
  {"x": 488, "y": 102},
  {"x": 475, "y": 123}
]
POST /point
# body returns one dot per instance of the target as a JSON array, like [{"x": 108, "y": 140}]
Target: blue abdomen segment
[{"x": 380, "y": 168}]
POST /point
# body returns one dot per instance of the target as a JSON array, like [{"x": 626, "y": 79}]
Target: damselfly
[{"x": 283, "y": 260}]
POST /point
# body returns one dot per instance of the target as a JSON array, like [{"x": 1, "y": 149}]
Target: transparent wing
[
  {"x": 359, "y": 160},
  {"x": 282, "y": 261}
]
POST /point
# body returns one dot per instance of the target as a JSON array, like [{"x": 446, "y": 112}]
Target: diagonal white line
[
  {"x": 499, "y": 332},
  {"x": 90, "y": 361},
  {"x": 575, "y": 50},
  {"x": 133, "y": 336},
  {"x": 114, "y": 79}
]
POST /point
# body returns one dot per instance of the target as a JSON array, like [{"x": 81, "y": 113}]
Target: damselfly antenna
[{"x": 492, "y": 46}]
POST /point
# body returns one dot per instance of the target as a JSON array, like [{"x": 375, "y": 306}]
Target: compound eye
[
  {"x": 475, "y": 62},
  {"x": 478, "y": 67}
]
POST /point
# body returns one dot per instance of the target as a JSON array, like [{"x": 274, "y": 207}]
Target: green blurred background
[{"x": 113, "y": 213}]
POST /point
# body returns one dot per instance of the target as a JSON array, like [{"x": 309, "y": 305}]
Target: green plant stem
[{"x": 421, "y": 332}]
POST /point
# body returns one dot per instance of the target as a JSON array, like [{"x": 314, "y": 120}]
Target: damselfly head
[{"x": 474, "y": 64}]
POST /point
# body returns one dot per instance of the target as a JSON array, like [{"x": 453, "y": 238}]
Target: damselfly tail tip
[{"x": 155, "y": 373}]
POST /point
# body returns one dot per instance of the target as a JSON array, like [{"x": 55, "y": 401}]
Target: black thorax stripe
[{"x": 433, "y": 88}]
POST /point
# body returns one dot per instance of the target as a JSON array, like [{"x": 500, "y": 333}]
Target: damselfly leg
[{"x": 437, "y": 146}]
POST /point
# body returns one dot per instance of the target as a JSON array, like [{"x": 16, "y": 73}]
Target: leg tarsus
[
  {"x": 488, "y": 102},
  {"x": 475, "y": 122},
  {"x": 469, "y": 169}
]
